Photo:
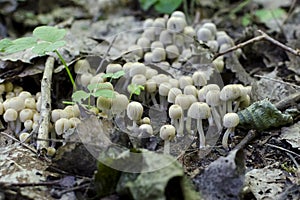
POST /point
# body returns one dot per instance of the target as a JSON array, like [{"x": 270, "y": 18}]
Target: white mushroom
[
  {"x": 230, "y": 121},
  {"x": 167, "y": 133}
]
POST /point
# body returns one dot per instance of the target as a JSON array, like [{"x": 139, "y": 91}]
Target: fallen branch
[
  {"x": 45, "y": 105},
  {"x": 263, "y": 36}
]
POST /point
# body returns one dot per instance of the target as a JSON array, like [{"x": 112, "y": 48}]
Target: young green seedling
[
  {"x": 135, "y": 89},
  {"x": 115, "y": 75},
  {"x": 45, "y": 39}
]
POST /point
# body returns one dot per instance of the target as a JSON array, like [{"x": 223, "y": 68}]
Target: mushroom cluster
[{"x": 168, "y": 45}]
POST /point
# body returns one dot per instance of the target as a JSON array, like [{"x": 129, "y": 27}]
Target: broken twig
[
  {"x": 45, "y": 105},
  {"x": 263, "y": 36}
]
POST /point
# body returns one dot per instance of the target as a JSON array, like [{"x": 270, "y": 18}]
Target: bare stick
[
  {"x": 258, "y": 38},
  {"x": 283, "y": 149},
  {"x": 250, "y": 135},
  {"x": 106, "y": 53},
  {"x": 286, "y": 48},
  {"x": 46, "y": 105},
  {"x": 23, "y": 144},
  {"x": 279, "y": 81},
  {"x": 288, "y": 101}
]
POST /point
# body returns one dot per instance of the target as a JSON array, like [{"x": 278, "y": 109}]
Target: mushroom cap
[
  {"x": 190, "y": 90},
  {"x": 10, "y": 115},
  {"x": 62, "y": 125},
  {"x": 119, "y": 103},
  {"x": 137, "y": 68},
  {"x": 230, "y": 120},
  {"x": 56, "y": 114},
  {"x": 74, "y": 121},
  {"x": 174, "y": 82},
  {"x": 144, "y": 43},
  {"x": 25, "y": 114},
  {"x": 28, "y": 124},
  {"x": 176, "y": 24},
  {"x": 85, "y": 79},
  {"x": 135, "y": 110},
  {"x": 146, "y": 128},
  {"x": 160, "y": 78},
  {"x": 113, "y": 67},
  {"x": 184, "y": 81},
  {"x": 178, "y": 14},
  {"x": 150, "y": 72},
  {"x": 203, "y": 91},
  {"x": 211, "y": 26},
  {"x": 30, "y": 103},
  {"x": 166, "y": 37},
  {"x": 136, "y": 51},
  {"x": 17, "y": 90},
  {"x": 167, "y": 132},
  {"x": 199, "y": 110},
  {"x": 24, "y": 137},
  {"x": 199, "y": 78},
  {"x": 148, "y": 23},
  {"x": 16, "y": 103},
  {"x": 25, "y": 94},
  {"x": 164, "y": 89},
  {"x": 150, "y": 86},
  {"x": 156, "y": 44},
  {"x": 98, "y": 78},
  {"x": 8, "y": 86},
  {"x": 189, "y": 34},
  {"x": 183, "y": 100},
  {"x": 104, "y": 103},
  {"x": 213, "y": 45},
  {"x": 148, "y": 57},
  {"x": 82, "y": 66},
  {"x": 204, "y": 34},
  {"x": 175, "y": 111},
  {"x": 212, "y": 98},
  {"x": 149, "y": 33},
  {"x": 172, "y": 51},
  {"x": 230, "y": 92},
  {"x": 173, "y": 92},
  {"x": 139, "y": 79},
  {"x": 159, "y": 24},
  {"x": 158, "y": 54}
]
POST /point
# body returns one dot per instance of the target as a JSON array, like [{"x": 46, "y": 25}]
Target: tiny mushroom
[
  {"x": 24, "y": 137},
  {"x": 198, "y": 111},
  {"x": 167, "y": 133},
  {"x": 62, "y": 125},
  {"x": 10, "y": 116},
  {"x": 163, "y": 91},
  {"x": 213, "y": 100},
  {"x": 177, "y": 118},
  {"x": 134, "y": 112},
  {"x": 228, "y": 95},
  {"x": 230, "y": 121}
]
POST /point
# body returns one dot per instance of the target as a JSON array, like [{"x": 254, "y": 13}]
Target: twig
[
  {"x": 276, "y": 80},
  {"x": 283, "y": 149},
  {"x": 46, "y": 104},
  {"x": 288, "y": 101},
  {"x": 106, "y": 53},
  {"x": 258, "y": 38},
  {"x": 250, "y": 135},
  {"x": 23, "y": 144}
]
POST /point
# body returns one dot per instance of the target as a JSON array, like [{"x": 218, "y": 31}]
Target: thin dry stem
[{"x": 43, "y": 132}]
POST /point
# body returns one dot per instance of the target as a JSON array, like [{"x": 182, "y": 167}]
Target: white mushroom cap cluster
[{"x": 20, "y": 109}]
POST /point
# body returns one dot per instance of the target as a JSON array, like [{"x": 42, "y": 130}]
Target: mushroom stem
[
  {"x": 225, "y": 138},
  {"x": 181, "y": 127},
  {"x": 167, "y": 147},
  {"x": 217, "y": 118},
  {"x": 18, "y": 126},
  {"x": 188, "y": 125},
  {"x": 201, "y": 134}
]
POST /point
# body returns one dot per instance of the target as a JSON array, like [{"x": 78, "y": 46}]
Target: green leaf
[
  {"x": 135, "y": 89},
  {"x": 40, "y": 48},
  {"x": 246, "y": 20},
  {"x": 21, "y": 44},
  {"x": 4, "y": 43},
  {"x": 167, "y": 6},
  {"x": 99, "y": 86},
  {"x": 49, "y": 33},
  {"x": 146, "y": 4},
  {"x": 80, "y": 95},
  {"x": 265, "y": 15},
  {"x": 107, "y": 75},
  {"x": 55, "y": 45},
  {"x": 118, "y": 74},
  {"x": 104, "y": 93}
]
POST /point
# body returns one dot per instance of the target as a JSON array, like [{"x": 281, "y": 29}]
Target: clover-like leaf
[
  {"x": 20, "y": 44},
  {"x": 49, "y": 33},
  {"x": 135, "y": 89},
  {"x": 118, "y": 74},
  {"x": 80, "y": 95},
  {"x": 4, "y": 43},
  {"x": 107, "y": 75},
  {"x": 104, "y": 93}
]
